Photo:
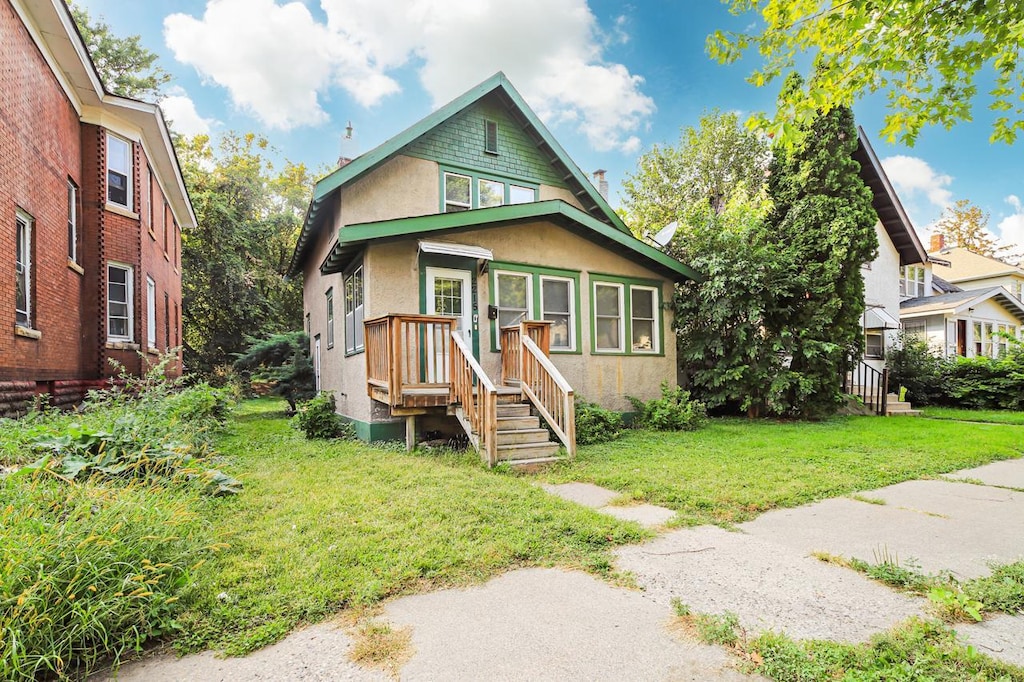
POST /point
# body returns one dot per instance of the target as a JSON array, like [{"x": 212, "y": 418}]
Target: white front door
[{"x": 450, "y": 292}]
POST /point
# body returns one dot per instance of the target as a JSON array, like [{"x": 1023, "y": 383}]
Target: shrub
[
  {"x": 317, "y": 418},
  {"x": 674, "y": 411},
  {"x": 595, "y": 424},
  {"x": 987, "y": 383},
  {"x": 912, "y": 364}
]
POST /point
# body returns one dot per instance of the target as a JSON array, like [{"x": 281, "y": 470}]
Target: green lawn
[
  {"x": 322, "y": 526},
  {"x": 733, "y": 469},
  {"x": 993, "y": 416}
]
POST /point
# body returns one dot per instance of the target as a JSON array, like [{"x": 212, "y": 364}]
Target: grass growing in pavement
[
  {"x": 734, "y": 469},
  {"x": 326, "y": 525},
  {"x": 993, "y": 416}
]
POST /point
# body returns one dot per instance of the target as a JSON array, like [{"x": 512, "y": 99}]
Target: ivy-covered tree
[
  {"x": 125, "y": 66},
  {"x": 710, "y": 162},
  {"x": 823, "y": 221}
]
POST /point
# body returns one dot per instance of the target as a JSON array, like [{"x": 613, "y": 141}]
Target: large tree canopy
[
  {"x": 929, "y": 56},
  {"x": 964, "y": 224},
  {"x": 125, "y": 66}
]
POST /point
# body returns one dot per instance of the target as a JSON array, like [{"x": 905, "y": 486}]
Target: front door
[{"x": 450, "y": 292}]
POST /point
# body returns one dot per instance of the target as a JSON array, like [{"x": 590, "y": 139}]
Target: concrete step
[
  {"x": 508, "y": 453},
  {"x": 518, "y": 423},
  {"x": 531, "y": 466},
  {"x": 902, "y": 413},
  {"x": 513, "y": 410},
  {"x": 897, "y": 405},
  {"x": 522, "y": 436}
]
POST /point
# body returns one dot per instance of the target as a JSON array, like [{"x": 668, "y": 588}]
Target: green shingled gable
[{"x": 459, "y": 141}]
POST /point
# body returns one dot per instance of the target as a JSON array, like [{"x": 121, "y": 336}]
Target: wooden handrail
[
  {"x": 471, "y": 388},
  {"x": 550, "y": 393}
]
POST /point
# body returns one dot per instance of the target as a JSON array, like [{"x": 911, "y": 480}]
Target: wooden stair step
[
  {"x": 507, "y": 453},
  {"x": 513, "y": 410},
  {"x": 532, "y": 465},
  {"x": 523, "y": 436},
  {"x": 518, "y": 423}
]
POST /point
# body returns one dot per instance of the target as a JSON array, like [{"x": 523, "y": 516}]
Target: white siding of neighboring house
[{"x": 881, "y": 285}]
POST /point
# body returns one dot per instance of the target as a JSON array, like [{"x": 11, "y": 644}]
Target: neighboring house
[
  {"x": 969, "y": 270},
  {"x": 92, "y": 203},
  {"x": 468, "y": 262},
  {"x": 899, "y": 250}
]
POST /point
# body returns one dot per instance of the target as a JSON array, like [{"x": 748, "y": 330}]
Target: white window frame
[
  {"x": 655, "y": 336},
  {"x": 528, "y": 314},
  {"x": 128, "y": 175},
  {"x": 912, "y": 277},
  {"x": 330, "y": 317},
  {"x": 150, "y": 312},
  {"x": 621, "y": 288},
  {"x": 513, "y": 186},
  {"x": 572, "y": 309},
  {"x": 129, "y": 283},
  {"x": 355, "y": 310},
  {"x": 72, "y": 222},
  {"x": 23, "y": 268},
  {"x": 501, "y": 194},
  {"x": 444, "y": 189},
  {"x": 868, "y": 333}
]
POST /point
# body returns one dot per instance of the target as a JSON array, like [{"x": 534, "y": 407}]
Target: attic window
[{"x": 490, "y": 137}]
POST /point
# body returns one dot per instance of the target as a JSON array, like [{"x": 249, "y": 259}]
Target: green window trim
[
  {"x": 626, "y": 285},
  {"x": 475, "y": 177},
  {"x": 536, "y": 273},
  {"x": 330, "y": 318}
]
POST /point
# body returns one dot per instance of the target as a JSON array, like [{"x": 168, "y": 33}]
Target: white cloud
[
  {"x": 1011, "y": 227},
  {"x": 278, "y": 62},
  {"x": 922, "y": 190},
  {"x": 180, "y": 112}
]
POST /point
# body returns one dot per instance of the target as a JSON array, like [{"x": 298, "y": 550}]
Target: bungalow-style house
[
  {"x": 899, "y": 249},
  {"x": 966, "y": 310},
  {"x": 92, "y": 204},
  {"x": 467, "y": 268}
]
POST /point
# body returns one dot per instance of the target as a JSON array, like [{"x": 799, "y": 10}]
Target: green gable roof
[
  {"x": 353, "y": 238},
  {"x": 496, "y": 90}
]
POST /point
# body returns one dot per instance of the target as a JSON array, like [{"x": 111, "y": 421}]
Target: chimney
[
  {"x": 602, "y": 184},
  {"x": 343, "y": 161},
  {"x": 938, "y": 242}
]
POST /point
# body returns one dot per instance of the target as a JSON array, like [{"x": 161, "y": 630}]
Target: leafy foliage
[
  {"x": 823, "y": 219},
  {"x": 926, "y": 55},
  {"x": 987, "y": 383},
  {"x": 284, "y": 360},
  {"x": 234, "y": 262},
  {"x": 595, "y": 424},
  {"x": 317, "y": 418},
  {"x": 673, "y": 411},
  {"x": 125, "y": 66},
  {"x": 913, "y": 364}
]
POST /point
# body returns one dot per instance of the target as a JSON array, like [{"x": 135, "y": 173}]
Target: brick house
[{"x": 92, "y": 205}]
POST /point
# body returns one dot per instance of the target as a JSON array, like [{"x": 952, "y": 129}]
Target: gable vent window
[{"x": 490, "y": 137}]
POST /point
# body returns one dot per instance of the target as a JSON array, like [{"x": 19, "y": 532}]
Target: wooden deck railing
[
  {"x": 407, "y": 353},
  {"x": 539, "y": 331},
  {"x": 549, "y": 392},
  {"x": 478, "y": 397}
]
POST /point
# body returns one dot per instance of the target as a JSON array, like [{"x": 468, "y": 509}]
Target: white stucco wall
[{"x": 882, "y": 286}]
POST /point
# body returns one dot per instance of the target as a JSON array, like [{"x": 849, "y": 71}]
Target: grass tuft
[{"x": 378, "y": 645}]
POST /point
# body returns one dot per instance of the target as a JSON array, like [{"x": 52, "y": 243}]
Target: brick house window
[
  {"x": 119, "y": 302},
  {"x": 150, "y": 313},
  {"x": 72, "y": 222},
  {"x": 119, "y": 171},
  {"x": 23, "y": 269},
  {"x": 167, "y": 321}
]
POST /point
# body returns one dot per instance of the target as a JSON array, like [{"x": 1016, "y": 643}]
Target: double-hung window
[
  {"x": 23, "y": 269},
  {"x": 119, "y": 303},
  {"x": 354, "y": 334},
  {"x": 150, "y": 312},
  {"x": 330, "y": 317},
  {"x": 463, "y": 190},
  {"x": 874, "y": 345},
  {"x": 514, "y": 296},
  {"x": 626, "y": 318},
  {"x": 119, "y": 171},
  {"x": 557, "y": 301},
  {"x": 72, "y": 222},
  {"x": 458, "y": 192},
  {"x": 912, "y": 281},
  {"x": 524, "y": 293}
]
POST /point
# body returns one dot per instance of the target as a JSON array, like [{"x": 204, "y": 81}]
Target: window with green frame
[
  {"x": 625, "y": 316},
  {"x": 526, "y": 292},
  {"x": 462, "y": 190}
]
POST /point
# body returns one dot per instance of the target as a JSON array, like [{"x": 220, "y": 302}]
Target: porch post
[{"x": 410, "y": 433}]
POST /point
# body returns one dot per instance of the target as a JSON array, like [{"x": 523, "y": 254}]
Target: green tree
[
  {"x": 125, "y": 66},
  {"x": 823, "y": 221},
  {"x": 966, "y": 225},
  {"x": 283, "y": 359},
  {"x": 707, "y": 166},
  {"x": 234, "y": 262},
  {"x": 926, "y": 55}
]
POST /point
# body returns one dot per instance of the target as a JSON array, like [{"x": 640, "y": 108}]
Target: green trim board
[
  {"x": 627, "y": 283},
  {"x": 537, "y": 271},
  {"x": 351, "y": 238},
  {"x": 375, "y": 431},
  {"x": 325, "y": 189}
]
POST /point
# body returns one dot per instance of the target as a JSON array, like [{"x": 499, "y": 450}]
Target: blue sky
[{"x": 609, "y": 79}]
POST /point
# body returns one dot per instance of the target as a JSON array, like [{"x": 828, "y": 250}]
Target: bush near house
[
  {"x": 673, "y": 411},
  {"x": 913, "y": 365},
  {"x": 595, "y": 424},
  {"x": 105, "y": 529}
]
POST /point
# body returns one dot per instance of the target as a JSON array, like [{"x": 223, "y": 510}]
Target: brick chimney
[
  {"x": 343, "y": 161},
  {"x": 602, "y": 184},
  {"x": 938, "y": 242}
]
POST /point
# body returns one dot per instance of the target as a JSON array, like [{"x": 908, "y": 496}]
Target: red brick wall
[{"x": 40, "y": 149}]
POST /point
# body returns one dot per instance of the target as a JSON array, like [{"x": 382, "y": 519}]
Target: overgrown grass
[
  {"x": 327, "y": 525},
  {"x": 992, "y": 416},
  {"x": 734, "y": 469}
]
